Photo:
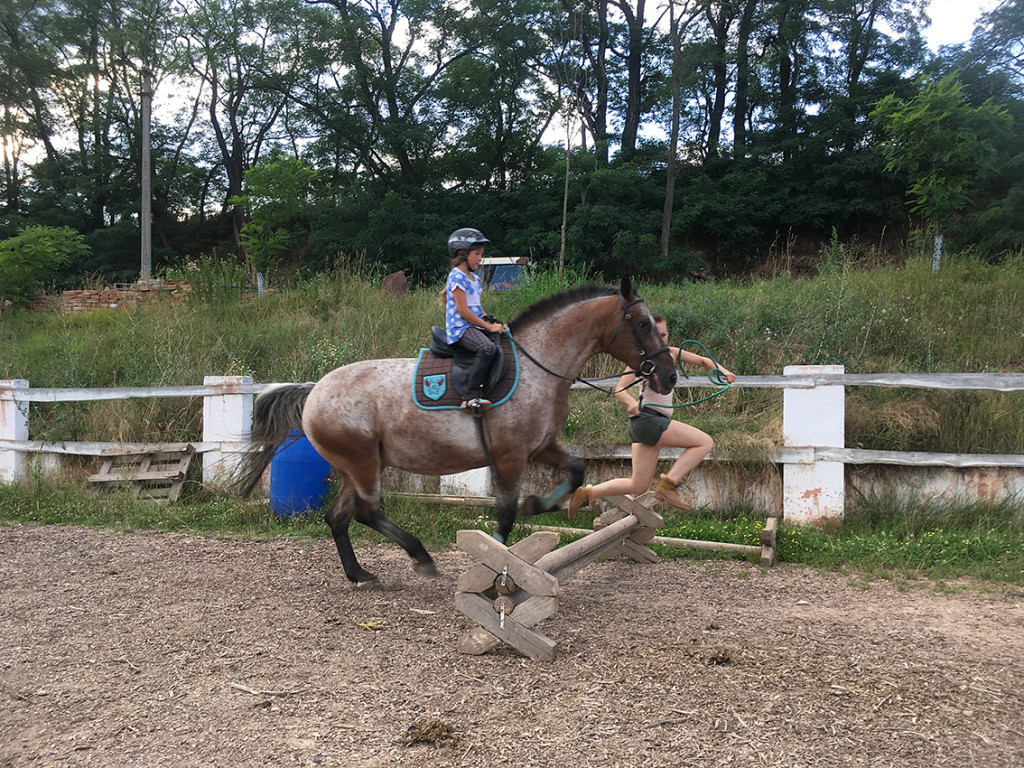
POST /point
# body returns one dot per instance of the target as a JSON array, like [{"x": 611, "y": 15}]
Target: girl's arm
[
  {"x": 468, "y": 315},
  {"x": 622, "y": 393},
  {"x": 689, "y": 358}
]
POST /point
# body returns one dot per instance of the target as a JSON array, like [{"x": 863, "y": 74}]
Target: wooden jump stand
[{"x": 512, "y": 589}]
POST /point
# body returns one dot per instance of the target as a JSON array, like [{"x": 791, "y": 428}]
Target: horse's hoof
[
  {"x": 532, "y": 505},
  {"x": 425, "y": 569},
  {"x": 371, "y": 584}
]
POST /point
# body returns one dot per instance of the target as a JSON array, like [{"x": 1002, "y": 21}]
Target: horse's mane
[{"x": 556, "y": 301}]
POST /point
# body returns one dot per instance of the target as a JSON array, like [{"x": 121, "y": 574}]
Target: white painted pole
[
  {"x": 13, "y": 426},
  {"x": 813, "y": 417},
  {"x": 227, "y": 419}
]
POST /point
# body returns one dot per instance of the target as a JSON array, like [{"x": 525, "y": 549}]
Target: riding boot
[
  {"x": 475, "y": 383},
  {"x": 580, "y": 499},
  {"x": 666, "y": 491}
]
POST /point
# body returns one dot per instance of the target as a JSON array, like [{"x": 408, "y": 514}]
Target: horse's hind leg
[
  {"x": 349, "y": 505},
  {"x": 338, "y": 517}
]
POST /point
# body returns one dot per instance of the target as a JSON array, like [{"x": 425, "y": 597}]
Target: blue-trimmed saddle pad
[{"x": 432, "y": 381}]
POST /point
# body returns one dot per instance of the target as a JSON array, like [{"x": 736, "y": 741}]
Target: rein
[
  {"x": 645, "y": 369},
  {"x": 715, "y": 376}
]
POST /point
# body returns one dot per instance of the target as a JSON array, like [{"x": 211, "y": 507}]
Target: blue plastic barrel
[{"x": 299, "y": 477}]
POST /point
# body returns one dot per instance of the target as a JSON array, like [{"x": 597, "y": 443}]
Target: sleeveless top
[{"x": 651, "y": 399}]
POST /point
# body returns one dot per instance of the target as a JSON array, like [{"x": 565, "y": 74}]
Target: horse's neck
[{"x": 566, "y": 339}]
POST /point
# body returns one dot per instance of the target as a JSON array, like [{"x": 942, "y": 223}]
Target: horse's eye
[{"x": 645, "y": 324}]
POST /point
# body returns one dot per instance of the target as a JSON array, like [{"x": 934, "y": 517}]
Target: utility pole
[{"x": 146, "y": 212}]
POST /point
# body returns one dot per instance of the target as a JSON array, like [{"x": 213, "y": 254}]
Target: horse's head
[{"x": 635, "y": 341}]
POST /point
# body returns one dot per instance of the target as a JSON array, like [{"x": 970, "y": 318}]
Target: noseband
[{"x": 647, "y": 365}]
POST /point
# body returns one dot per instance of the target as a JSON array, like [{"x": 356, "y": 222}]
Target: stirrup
[{"x": 477, "y": 404}]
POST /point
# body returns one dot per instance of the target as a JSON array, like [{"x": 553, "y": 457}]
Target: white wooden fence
[{"x": 813, "y": 455}]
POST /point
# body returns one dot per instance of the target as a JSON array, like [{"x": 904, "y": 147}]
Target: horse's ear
[{"x": 626, "y": 288}]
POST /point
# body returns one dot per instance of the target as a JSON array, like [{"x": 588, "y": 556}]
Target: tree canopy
[{"x": 696, "y": 135}]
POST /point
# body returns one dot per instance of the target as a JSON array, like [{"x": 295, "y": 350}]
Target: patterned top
[{"x": 454, "y": 325}]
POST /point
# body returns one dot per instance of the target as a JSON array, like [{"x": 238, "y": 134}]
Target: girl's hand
[
  {"x": 633, "y": 409},
  {"x": 727, "y": 375}
]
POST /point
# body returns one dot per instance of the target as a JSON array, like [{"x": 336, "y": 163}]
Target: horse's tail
[{"x": 277, "y": 411}]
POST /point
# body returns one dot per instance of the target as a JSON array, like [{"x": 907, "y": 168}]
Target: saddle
[{"x": 442, "y": 372}]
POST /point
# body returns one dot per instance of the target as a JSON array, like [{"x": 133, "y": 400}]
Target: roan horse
[{"x": 361, "y": 417}]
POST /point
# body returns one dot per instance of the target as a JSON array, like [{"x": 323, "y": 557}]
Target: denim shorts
[{"x": 647, "y": 426}]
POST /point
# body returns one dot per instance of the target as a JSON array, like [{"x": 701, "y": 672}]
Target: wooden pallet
[{"x": 157, "y": 472}]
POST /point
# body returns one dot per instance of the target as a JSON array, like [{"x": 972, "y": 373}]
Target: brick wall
[{"x": 112, "y": 298}]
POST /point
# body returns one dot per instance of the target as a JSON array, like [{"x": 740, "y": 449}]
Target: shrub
[{"x": 34, "y": 255}]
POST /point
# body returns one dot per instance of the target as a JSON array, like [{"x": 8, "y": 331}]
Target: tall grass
[{"x": 884, "y": 318}]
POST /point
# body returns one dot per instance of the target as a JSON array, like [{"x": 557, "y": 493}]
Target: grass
[
  {"x": 901, "y": 540},
  {"x": 870, "y": 318}
]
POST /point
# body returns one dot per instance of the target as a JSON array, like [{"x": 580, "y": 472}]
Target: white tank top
[{"x": 661, "y": 403}]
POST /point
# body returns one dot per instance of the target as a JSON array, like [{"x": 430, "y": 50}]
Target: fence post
[
  {"x": 227, "y": 419},
  {"x": 813, "y": 417},
  {"x": 13, "y": 426}
]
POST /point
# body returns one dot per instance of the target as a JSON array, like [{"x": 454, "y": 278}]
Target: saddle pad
[{"x": 432, "y": 380}]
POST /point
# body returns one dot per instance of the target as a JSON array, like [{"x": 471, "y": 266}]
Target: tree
[
  {"x": 999, "y": 38},
  {"x": 943, "y": 145},
  {"x": 239, "y": 52},
  {"x": 278, "y": 194}
]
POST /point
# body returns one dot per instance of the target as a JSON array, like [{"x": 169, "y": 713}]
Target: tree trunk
[
  {"x": 673, "y": 138},
  {"x": 634, "y": 82},
  {"x": 739, "y": 120}
]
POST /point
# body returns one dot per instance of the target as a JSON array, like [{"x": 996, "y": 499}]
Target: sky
[{"x": 953, "y": 20}]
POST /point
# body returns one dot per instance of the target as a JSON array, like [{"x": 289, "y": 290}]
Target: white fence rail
[{"x": 813, "y": 455}]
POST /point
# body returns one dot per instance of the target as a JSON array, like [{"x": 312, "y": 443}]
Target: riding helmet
[{"x": 464, "y": 240}]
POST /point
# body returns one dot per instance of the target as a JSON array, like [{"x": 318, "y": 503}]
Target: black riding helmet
[{"x": 464, "y": 240}]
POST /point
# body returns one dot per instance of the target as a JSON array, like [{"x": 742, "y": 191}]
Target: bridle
[
  {"x": 645, "y": 369},
  {"x": 647, "y": 365}
]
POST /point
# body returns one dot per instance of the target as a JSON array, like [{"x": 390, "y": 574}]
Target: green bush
[{"x": 33, "y": 256}]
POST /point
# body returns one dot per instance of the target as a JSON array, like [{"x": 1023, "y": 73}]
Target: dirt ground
[{"x": 145, "y": 649}]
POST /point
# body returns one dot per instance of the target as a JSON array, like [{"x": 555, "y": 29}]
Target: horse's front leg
[
  {"x": 555, "y": 455},
  {"x": 507, "y": 484}
]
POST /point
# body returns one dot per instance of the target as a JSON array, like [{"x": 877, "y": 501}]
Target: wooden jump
[{"x": 514, "y": 588}]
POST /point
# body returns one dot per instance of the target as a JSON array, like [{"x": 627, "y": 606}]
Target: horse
[{"x": 361, "y": 417}]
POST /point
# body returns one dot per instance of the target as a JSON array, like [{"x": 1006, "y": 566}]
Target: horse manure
[{"x": 430, "y": 730}]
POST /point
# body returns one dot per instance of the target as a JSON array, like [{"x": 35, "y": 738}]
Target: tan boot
[
  {"x": 666, "y": 491},
  {"x": 580, "y": 499}
]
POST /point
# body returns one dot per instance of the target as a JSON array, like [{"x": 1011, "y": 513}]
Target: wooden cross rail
[{"x": 514, "y": 588}]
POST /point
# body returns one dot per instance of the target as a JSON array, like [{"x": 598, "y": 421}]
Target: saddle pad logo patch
[{"x": 434, "y": 386}]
